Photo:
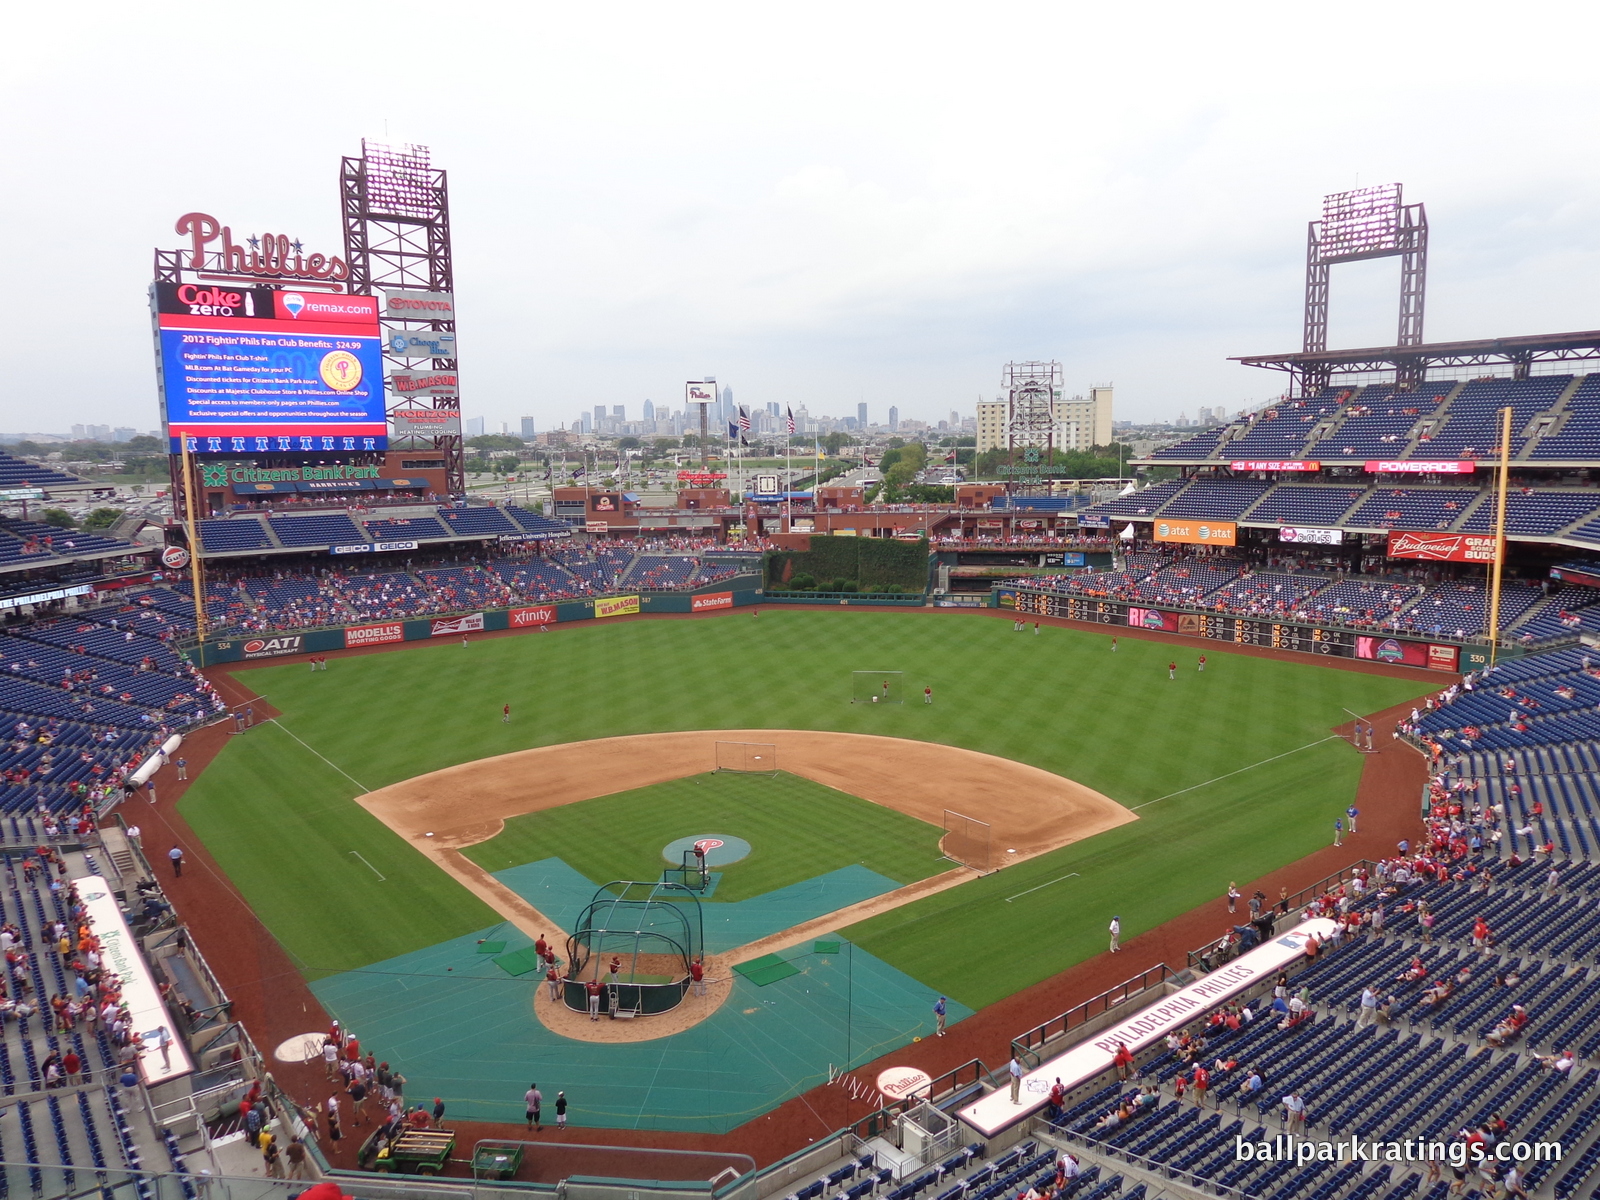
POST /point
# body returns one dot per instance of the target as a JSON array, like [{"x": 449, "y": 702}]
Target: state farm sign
[{"x": 711, "y": 600}]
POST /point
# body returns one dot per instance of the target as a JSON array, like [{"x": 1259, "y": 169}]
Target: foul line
[
  {"x": 1031, "y": 890},
  {"x": 382, "y": 878},
  {"x": 331, "y": 763},
  {"x": 1331, "y": 737}
]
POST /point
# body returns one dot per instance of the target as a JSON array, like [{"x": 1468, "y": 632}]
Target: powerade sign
[
  {"x": 272, "y": 647},
  {"x": 252, "y": 370}
]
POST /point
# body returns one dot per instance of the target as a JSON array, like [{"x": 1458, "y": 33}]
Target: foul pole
[
  {"x": 189, "y": 501},
  {"x": 1499, "y": 532}
]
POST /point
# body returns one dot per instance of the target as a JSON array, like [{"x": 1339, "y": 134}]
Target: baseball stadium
[{"x": 371, "y": 837}]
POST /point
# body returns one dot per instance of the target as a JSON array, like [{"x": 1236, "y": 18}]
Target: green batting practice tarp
[
  {"x": 824, "y": 947},
  {"x": 769, "y": 968},
  {"x": 518, "y": 962},
  {"x": 491, "y": 947}
]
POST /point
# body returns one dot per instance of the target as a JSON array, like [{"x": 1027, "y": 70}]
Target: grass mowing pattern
[
  {"x": 797, "y": 830},
  {"x": 280, "y": 822}
]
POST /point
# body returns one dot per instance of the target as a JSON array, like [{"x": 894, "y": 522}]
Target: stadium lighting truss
[{"x": 1360, "y": 223}]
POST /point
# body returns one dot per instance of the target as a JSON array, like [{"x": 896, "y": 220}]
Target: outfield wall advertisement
[
  {"x": 418, "y": 629},
  {"x": 1246, "y": 631}
]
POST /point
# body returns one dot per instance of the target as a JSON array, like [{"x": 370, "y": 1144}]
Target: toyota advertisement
[{"x": 257, "y": 370}]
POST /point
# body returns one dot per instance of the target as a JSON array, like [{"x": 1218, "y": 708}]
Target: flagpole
[{"x": 788, "y": 485}]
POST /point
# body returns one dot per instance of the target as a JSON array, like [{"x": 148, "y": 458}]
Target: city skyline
[{"x": 855, "y": 229}]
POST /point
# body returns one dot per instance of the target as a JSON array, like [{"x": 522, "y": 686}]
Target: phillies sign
[
  {"x": 270, "y": 256},
  {"x": 1442, "y": 547}
]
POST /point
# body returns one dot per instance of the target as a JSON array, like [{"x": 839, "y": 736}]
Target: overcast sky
[{"x": 817, "y": 203}]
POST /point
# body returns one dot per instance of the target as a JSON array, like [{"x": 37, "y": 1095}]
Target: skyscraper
[
  {"x": 527, "y": 427},
  {"x": 474, "y": 427},
  {"x": 894, "y": 418},
  {"x": 599, "y": 418},
  {"x": 649, "y": 411},
  {"x": 861, "y": 415},
  {"x": 619, "y": 412}
]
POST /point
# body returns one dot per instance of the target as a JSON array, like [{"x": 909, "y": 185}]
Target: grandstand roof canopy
[{"x": 1413, "y": 360}]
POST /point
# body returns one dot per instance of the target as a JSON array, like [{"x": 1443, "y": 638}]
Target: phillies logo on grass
[{"x": 707, "y": 845}]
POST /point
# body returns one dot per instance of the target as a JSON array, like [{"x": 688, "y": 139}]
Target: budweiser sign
[
  {"x": 1274, "y": 465},
  {"x": 269, "y": 256},
  {"x": 1454, "y": 467},
  {"x": 1442, "y": 547}
]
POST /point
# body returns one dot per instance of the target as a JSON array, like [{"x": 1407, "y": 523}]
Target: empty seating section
[
  {"x": 405, "y": 529},
  {"x": 1412, "y": 508},
  {"x": 536, "y": 523},
  {"x": 540, "y": 579},
  {"x": 486, "y": 522},
  {"x": 1187, "y": 583},
  {"x": 1216, "y": 499},
  {"x": 323, "y": 529},
  {"x": 1578, "y": 438},
  {"x": 1201, "y": 445},
  {"x": 1276, "y": 433},
  {"x": 1471, "y": 426},
  {"x": 1266, "y": 593},
  {"x": 660, "y": 571},
  {"x": 232, "y": 536},
  {"x": 1142, "y": 503},
  {"x": 1377, "y": 423},
  {"x": 382, "y": 595},
  {"x": 295, "y": 603},
  {"x": 1533, "y": 513},
  {"x": 1299, "y": 504},
  {"x": 64, "y": 542},
  {"x": 1462, "y": 609},
  {"x": 14, "y": 472},
  {"x": 1359, "y": 603},
  {"x": 1567, "y": 612},
  {"x": 461, "y": 588}
]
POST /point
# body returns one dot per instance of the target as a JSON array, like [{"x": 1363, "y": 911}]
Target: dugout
[{"x": 656, "y": 929}]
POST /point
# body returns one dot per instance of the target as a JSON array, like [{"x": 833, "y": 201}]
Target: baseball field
[{"x": 1231, "y": 772}]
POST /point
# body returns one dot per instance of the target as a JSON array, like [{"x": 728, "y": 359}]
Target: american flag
[
  {"x": 744, "y": 420},
  {"x": 789, "y": 417}
]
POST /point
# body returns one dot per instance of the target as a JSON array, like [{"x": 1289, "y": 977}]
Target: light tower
[
  {"x": 396, "y": 209},
  {"x": 1372, "y": 222}
]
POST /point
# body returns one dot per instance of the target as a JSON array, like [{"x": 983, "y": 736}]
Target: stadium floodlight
[
  {"x": 1364, "y": 223},
  {"x": 1371, "y": 222}
]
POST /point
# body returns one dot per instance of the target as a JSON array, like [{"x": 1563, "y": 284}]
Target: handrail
[{"x": 1025, "y": 1046}]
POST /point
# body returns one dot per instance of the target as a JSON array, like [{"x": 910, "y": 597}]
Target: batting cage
[
  {"x": 749, "y": 758},
  {"x": 966, "y": 841},
  {"x": 638, "y": 940},
  {"x": 876, "y": 687}
]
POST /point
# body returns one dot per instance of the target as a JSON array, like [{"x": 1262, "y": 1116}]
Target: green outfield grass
[
  {"x": 277, "y": 811},
  {"x": 797, "y": 830}
]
